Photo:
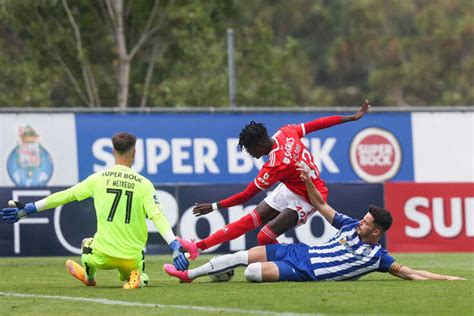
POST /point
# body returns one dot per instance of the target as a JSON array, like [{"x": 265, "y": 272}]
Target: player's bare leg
[
  {"x": 259, "y": 269},
  {"x": 280, "y": 224},
  {"x": 266, "y": 212},
  {"x": 261, "y": 215}
]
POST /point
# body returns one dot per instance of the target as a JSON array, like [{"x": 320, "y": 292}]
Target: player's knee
[{"x": 253, "y": 272}]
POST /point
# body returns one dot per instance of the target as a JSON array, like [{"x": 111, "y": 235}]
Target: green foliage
[{"x": 288, "y": 53}]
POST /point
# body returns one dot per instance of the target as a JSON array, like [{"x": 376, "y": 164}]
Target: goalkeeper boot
[
  {"x": 77, "y": 271},
  {"x": 190, "y": 247},
  {"x": 134, "y": 282},
  {"x": 172, "y": 271}
]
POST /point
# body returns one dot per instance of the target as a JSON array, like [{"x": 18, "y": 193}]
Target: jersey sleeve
[
  {"x": 267, "y": 176},
  {"x": 299, "y": 129},
  {"x": 386, "y": 261},
  {"x": 78, "y": 192},
  {"x": 155, "y": 212},
  {"x": 250, "y": 191},
  {"x": 151, "y": 203},
  {"x": 270, "y": 174},
  {"x": 85, "y": 188},
  {"x": 320, "y": 123},
  {"x": 341, "y": 220}
]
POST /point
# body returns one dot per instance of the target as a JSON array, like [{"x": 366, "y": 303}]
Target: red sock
[
  {"x": 233, "y": 230},
  {"x": 267, "y": 236}
]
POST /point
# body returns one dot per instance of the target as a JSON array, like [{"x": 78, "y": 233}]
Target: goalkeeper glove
[
  {"x": 13, "y": 214},
  {"x": 179, "y": 260}
]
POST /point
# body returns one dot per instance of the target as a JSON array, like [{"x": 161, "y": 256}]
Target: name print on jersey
[{"x": 121, "y": 183}]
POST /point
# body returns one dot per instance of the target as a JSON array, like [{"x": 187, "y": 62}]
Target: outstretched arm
[
  {"x": 78, "y": 192},
  {"x": 407, "y": 273},
  {"x": 315, "y": 197},
  {"x": 204, "y": 208},
  {"x": 18, "y": 210},
  {"x": 329, "y": 121}
]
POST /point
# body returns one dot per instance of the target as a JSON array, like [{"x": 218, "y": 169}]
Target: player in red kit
[{"x": 288, "y": 205}]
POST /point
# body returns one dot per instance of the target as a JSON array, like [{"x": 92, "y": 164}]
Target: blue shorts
[{"x": 292, "y": 261}]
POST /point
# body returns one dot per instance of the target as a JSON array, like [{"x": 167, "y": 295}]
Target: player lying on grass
[
  {"x": 288, "y": 205},
  {"x": 352, "y": 253},
  {"x": 122, "y": 199}
]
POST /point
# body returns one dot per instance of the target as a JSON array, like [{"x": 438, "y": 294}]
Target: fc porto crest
[
  {"x": 367, "y": 251},
  {"x": 29, "y": 164}
]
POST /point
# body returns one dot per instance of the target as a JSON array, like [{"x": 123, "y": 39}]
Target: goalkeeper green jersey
[{"x": 122, "y": 200}]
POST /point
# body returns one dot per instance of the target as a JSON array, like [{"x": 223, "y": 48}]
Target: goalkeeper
[{"x": 122, "y": 200}]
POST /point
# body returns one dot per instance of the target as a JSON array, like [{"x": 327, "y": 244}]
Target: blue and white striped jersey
[{"x": 345, "y": 256}]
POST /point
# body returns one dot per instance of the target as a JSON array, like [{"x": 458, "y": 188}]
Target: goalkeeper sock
[
  {"x": 233, "y": 230},
  {"x": 221, "y": 264}
]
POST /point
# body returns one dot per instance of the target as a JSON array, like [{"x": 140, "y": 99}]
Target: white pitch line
[{"x": 136, "y": 304}]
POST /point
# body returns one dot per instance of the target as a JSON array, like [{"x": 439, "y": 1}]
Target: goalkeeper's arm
[
  {"x": 164, "y": 228},
  {"x": 79, "y": 192},
  {"x": 18, "y": 210},
  {"x": 55, "y": 200}
]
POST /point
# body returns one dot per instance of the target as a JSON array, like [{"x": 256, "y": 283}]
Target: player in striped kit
[
  {"x": 352, "y": 253},
  {"x": 288, "y": 205}
]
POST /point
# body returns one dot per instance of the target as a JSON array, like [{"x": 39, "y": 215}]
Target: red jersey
[{"x": 281, "y": 165}]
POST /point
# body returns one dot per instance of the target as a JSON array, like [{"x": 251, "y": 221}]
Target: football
[
  {"x": 145, "y": 279},
  {"x": 223, "y": 276}
]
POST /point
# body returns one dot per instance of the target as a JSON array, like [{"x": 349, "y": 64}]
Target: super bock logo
[
  {"x": 29, "y": 164},
  {"x": 375, "y": 155}
]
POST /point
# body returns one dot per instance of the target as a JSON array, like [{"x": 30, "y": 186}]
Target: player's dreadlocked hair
[
  {"x": 381, "y": 216},
  {"x": 252, "y": 134},
  {"x": 123, "y": 142}
]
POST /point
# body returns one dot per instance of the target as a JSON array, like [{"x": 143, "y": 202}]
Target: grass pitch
[{"x": 49, "y": 290}]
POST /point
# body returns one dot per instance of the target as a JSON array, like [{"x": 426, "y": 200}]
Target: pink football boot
[
  {"x": 172, "y": 271},
  {"x": 190, "y": 247}
]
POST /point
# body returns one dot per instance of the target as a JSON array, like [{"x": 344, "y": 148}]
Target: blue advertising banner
[
  {"x": 202, "y": 147},
  {"x": 60, "y": 231}
]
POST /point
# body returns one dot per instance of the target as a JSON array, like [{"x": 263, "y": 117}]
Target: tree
[
  {"x": 98, "y": 33},
  {"x": 301, "y": 52}
]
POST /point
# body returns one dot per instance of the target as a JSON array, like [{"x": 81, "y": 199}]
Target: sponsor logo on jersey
[
  {"x": 29, "y": 164},
  {"x": 288, "y": 147},
  {"x": 350, "y": 248},
  {"x": 375, "y": 155}
]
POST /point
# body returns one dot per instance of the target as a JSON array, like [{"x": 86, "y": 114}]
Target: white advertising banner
[
  {"x": 443, "y": 146},
  {"x": 38, "y": 150}
]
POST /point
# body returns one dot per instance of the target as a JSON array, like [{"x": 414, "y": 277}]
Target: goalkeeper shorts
[{"x": 93, "y": 259}]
